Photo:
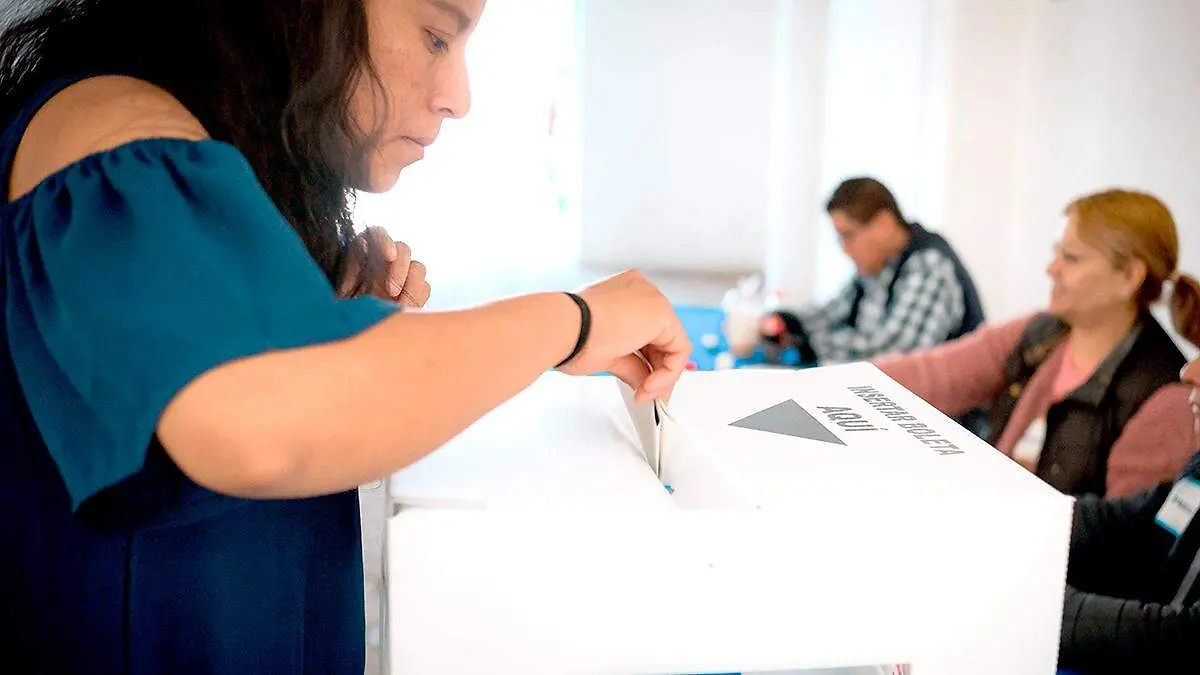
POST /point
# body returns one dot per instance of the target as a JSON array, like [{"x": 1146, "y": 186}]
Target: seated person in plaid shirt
[{"x": 910, "y": 289}]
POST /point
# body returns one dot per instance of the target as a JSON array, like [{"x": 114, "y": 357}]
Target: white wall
[
  {"x": 675, "y": 132},
  {"x": 1114, "y": 103},
  {"x": 1045, "y": 101},
  {"x": 875, "y": 98},
  {"x": 984, "y": 116},
  {"x": 793, "y": 189},
  {"x": 985, "y": 68},
  {"x": 482, "y": 202}
]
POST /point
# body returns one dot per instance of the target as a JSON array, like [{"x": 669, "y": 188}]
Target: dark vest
[
  {"x": 1081, "y": 429},
  {"x": 921, "y": 240}
]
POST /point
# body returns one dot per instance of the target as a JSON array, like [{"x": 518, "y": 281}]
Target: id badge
[{"x": 1181, "y": 506}]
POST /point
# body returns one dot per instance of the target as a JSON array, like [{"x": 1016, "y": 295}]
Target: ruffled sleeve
[{"x": 132, "y": 272}]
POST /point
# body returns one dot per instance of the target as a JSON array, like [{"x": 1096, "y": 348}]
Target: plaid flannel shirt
[{"x": 926, "y": 307}]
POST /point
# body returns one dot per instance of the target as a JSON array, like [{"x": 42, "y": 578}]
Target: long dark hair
[{"x": 274, "y": 78}]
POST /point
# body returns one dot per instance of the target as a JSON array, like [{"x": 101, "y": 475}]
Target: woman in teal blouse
[{"x": 186, "y": 405}]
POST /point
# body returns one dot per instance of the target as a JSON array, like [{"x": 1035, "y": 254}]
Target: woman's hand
[
  {"x": 629, "y": 314},
  {"x": 376, "y": 265}
]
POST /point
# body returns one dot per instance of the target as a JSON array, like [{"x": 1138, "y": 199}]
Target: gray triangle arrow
[{"x": 788, "y": 419}]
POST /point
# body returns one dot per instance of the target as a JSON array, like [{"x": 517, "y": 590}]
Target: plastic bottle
[{"x": 745, "y": 304}]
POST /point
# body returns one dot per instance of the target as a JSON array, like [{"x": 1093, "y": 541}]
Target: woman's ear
[{"x": 1135, "y": 276}]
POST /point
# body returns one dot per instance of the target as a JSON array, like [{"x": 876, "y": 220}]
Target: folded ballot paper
[{"x": 762, "y": 521}]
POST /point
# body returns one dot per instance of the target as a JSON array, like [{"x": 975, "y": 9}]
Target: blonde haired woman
[{"x": 1074, "y": 391}]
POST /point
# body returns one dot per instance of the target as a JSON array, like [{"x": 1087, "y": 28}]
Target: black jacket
[
  {"x": 1081, "y": 429},
  {"x": 1125, "y": 570},
  {"x": 919, "y": 240}
]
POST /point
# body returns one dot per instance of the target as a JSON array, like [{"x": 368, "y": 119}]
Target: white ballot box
[{"x": 814, "y": 519}]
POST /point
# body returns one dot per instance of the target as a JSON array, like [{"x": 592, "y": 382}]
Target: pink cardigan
[{"x": 969, "y": 372}]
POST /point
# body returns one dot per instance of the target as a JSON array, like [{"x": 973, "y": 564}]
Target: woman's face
[
  {"x": 419, "y": 51},
  {"x": 1087, "y": 286}
]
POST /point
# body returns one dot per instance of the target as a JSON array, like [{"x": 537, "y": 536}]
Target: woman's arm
[
  {"x": 1115, "y": 544},
  {"x": 962, "y": 375},
  {"x": 321, "y": 419},
  {"x": 1126, "y": 636},
  {"x": 1155, "y": 444}
]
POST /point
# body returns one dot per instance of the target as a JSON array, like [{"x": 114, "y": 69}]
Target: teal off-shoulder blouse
[{"x": 123, "y": 277}]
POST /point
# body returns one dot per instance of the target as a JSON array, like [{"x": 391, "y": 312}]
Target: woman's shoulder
[
  {"x": 1152, "y": 360},
  {"x": 93, "y": 116},
  {"x": 1156, "y": 444},
  {"x": 1157, "y": 345}
]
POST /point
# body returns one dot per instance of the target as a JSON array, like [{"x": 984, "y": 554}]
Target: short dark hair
[
  {"x": 272, "y": 77},
  {"x": 861, "y": 198}
]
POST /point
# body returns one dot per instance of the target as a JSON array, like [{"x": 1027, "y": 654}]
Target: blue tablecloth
[{"x": 704, "y": 327}]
